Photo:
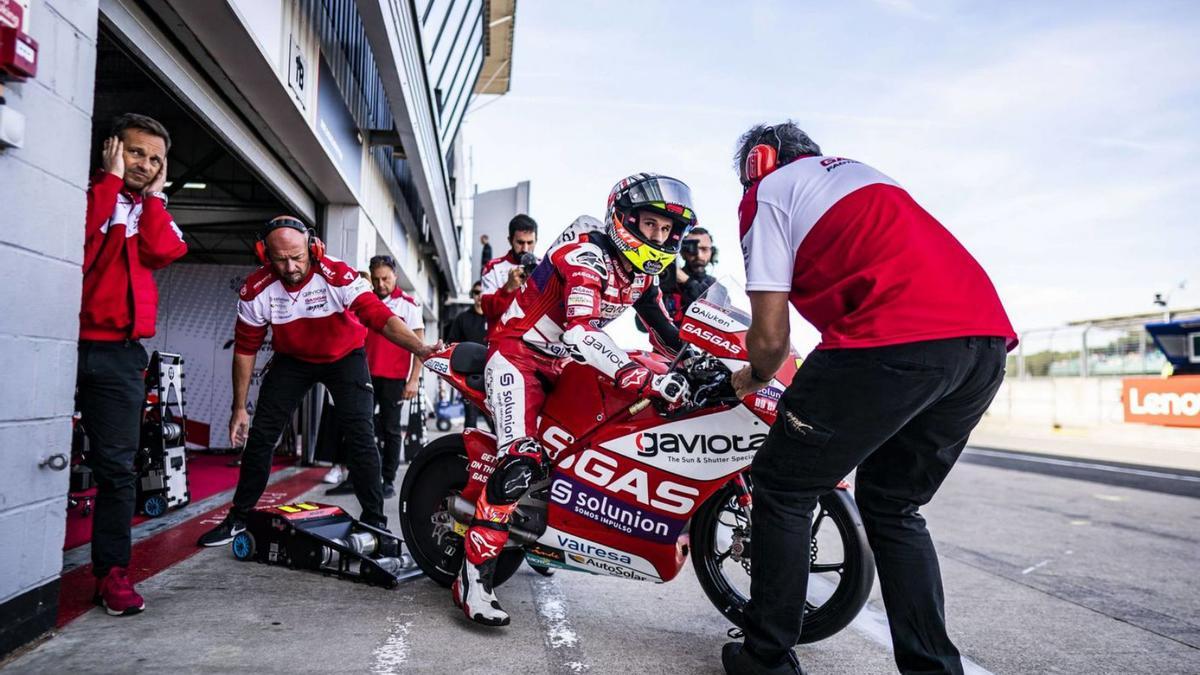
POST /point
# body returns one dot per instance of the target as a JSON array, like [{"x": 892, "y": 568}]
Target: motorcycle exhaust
[{"x": 463, "y": 511}]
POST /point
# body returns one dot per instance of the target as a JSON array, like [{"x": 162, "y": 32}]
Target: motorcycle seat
[{"x": 468, "y": 359}]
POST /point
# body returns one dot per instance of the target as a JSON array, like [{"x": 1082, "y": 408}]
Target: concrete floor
[{"x": 1043, "y": 575}]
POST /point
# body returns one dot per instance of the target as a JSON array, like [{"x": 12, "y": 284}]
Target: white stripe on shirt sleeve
[{"x": 769, "y": 251}]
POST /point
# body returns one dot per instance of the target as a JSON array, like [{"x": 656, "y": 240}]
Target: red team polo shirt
[
  {"x": 320, "y": 320},
  {"x": 384, "y": 357},
  {"x": 861, "y": 260}
]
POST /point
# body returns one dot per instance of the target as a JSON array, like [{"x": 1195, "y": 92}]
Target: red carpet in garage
[{"x": 208, "y": 474}]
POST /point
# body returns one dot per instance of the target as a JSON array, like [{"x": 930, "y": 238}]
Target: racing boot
[
  {"x": 472, "y": 589},
  {"x": 473, "y": 593}
]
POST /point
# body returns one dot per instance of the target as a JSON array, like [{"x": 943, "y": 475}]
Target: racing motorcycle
[{"x": 633, "y": 488}]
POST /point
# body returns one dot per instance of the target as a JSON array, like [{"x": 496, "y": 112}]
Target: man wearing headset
[
  {"x": 306, "y": 298},
  {"x": 913, "y": 342},
  {"x": 590, "y": 275}
]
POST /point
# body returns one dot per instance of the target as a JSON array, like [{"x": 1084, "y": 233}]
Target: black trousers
[
  {"x": 389, "y": 395},
  {"x": 285, "y": 384},
  {"x": 901, "y": 414},
  {"x": 110, "y": 392}
]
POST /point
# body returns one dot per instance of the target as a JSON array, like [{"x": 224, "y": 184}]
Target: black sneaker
[
  {"x": 389, "y": 490},
  {"x": 222, "y": 534},
  {"x": 738, "y": 661},
  {"x": 343, "y": 488}
]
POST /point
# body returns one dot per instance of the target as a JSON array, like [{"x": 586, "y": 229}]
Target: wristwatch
[{"x": 160, "y": 195}]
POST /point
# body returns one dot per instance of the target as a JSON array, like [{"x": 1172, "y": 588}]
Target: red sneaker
[{"x": 116, "y": 595}]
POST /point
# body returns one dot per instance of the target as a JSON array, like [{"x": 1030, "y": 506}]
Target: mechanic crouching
[{"x": 307, "y": 299}]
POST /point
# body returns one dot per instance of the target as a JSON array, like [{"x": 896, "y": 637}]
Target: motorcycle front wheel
[{"x": 842, "y": 568}]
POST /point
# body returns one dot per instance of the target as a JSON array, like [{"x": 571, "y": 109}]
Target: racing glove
[{"x": 672, "y": 387}]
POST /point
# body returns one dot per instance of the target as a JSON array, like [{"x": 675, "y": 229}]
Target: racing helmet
[{"x": 651, "y": 192}]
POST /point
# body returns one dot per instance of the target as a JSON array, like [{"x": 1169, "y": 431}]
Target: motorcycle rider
[{"x": 590, "y": 275}]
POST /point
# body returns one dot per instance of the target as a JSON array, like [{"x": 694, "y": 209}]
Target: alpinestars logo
[
  {"x": 651, "y": 443},
  {"x": 713, "y": 338},
  {"x": 485, "y": 549},
  {"x": 636, "y": 377}
]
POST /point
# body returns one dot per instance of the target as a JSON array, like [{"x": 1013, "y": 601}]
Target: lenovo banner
[{"x": 1174, "y": 401}]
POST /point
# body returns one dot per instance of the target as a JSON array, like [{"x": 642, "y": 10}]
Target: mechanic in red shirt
[
  {"x": 319, "y": 310},
  {"x": 393, "y": 373},
  {"x": 590, "y": 276},
  {"x": 913, "y": 347},
  {"x": 502, "y": 277},
  {"x": 128, "y": 234}
]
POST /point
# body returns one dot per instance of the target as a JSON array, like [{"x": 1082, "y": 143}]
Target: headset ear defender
[
  {"x": 316, "y": 247},
  {"x": 763, "y": 158}
]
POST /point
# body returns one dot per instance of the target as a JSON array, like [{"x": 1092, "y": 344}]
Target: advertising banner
[{"x": 1173, "y": 401}]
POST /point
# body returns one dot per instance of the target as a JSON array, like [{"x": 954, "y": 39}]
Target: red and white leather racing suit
[{"x": 579, "y": 287}]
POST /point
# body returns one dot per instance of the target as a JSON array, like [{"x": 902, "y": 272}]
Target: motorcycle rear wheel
[
  {"x": 439, "y": 471},
  {"x": 726, "y": 581}
]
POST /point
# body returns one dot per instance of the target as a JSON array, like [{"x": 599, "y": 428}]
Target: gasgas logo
[
  {"x": 713, "y": 338},
  {"x": 650, "y": 443},
  {"x": 606, "y": 472}
]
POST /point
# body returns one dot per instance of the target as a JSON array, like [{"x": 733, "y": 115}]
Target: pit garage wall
[
  {"x": 42, "y": 199},
  {"x": 361, "y": 219},
  {"x": 197, "y": 307}
]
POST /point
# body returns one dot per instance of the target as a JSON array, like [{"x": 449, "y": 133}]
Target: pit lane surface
[{"x": 1043, "y": 574}]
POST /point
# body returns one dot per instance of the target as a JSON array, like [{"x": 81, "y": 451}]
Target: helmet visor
[
  {"x": 663, "y": 193},
  {"x": 670, "y": 198}
]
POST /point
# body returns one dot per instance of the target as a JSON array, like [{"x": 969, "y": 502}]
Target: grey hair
[{"x": 788, "y": 139}]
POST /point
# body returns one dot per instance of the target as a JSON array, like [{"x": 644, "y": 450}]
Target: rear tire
[
  {"x": 439, "y": 471},
  {"x": 719, "y": 574}
]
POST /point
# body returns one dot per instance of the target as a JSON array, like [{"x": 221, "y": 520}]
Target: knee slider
[{"x": 511, "y": 480}]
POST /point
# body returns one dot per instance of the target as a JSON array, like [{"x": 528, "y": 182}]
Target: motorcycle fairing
[
  {"x": 571, "y": 551},
  {"x": 481, "y": 461},
  {"x": 721, "y": 331}
]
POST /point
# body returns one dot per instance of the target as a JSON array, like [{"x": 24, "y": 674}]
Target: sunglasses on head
[{"x": 383, "y": 260}]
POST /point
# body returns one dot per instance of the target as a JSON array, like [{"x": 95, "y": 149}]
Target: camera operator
[
  {"x": 319, "y": 310},
  {"x": 503, "y": 277},
  {"x": 128, "y": 234}
]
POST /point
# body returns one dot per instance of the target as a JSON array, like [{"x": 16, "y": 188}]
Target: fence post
[
  {"x": 1083, "y": 353},
  {"x": 1142, "y": 349},
  {"x": 1021, "y": 357}
]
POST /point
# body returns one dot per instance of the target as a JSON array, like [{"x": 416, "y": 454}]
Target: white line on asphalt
[
  {"x": 1084, "y": 465},
  {"x": 81, "y": 555},
  {"x": 1031, "y": 568},
  {"x": 392, "y": 654},
  {"x": 874, "y": 624},
  {"x": 561, "y": 638}
]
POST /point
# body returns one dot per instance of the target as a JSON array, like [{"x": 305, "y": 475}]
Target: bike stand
[{"x": 326, "y": 539}]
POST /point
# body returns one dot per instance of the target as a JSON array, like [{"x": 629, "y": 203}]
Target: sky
[{"x": 1059, "y": 142}]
